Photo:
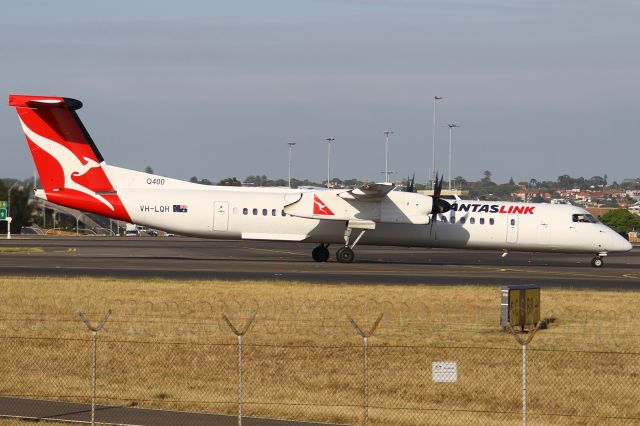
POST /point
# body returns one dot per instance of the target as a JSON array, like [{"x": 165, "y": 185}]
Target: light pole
[
  {"x": 451, "y": 126},
  {"x": 386, "y": 156},
  {"x": 433, "y": 154},
  {"x": 329, "y": 161},
  {"x": 291, "y": 144}
]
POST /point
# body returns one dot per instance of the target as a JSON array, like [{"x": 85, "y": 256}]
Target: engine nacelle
[{"x": 394, "y": 207}]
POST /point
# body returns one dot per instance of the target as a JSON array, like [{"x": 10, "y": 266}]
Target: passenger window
[
  {"x": 283, "y": 213},
  {"x": 491, "y": 221},
  {"x": 264, "y": 212},
  {"x": 463, "y": 220},
  {"x": 255, "y": 212},
  {"x": 273, "y": 212},
  {"x": 245, "y": 211},
  {"x": 482, "y": 221},
  {"x": 444, "y": 219},
  {"x": 513, "y": 222},
  {"x": 472, "y": 220}
]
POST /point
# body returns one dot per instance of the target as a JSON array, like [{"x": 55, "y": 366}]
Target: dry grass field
[
  {"x": 19, "y": 422},
  {"x": 166, "y": 345}
]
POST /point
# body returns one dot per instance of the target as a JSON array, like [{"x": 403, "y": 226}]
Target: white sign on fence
[{"x": 444, "y": 371}]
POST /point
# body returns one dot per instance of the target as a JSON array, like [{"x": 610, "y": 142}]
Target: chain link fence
[{"x": 320, "y": 368}]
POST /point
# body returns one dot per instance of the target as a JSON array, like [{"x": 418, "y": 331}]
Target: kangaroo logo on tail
[{"x": 71, "y": 165}]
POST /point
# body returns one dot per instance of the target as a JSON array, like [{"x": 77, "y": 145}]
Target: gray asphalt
[
  {"x": 189, "y": 258},
  {"x": 36, "y": 410}
]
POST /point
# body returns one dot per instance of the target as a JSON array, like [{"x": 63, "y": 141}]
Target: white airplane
[{"x": 74, "y": 174}]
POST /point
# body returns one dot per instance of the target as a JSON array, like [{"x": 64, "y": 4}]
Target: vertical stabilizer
[{"x": 72, "y": 170}]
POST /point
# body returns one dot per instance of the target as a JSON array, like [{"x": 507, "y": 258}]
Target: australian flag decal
[{"x": 180, "y": 208}]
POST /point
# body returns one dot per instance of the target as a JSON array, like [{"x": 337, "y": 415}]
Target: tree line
[{"x": 23, "y": 214}]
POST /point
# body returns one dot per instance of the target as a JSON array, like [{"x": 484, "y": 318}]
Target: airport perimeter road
[
  {"x": 188, "y": 258},
  {"x": 36, "y": 410}
]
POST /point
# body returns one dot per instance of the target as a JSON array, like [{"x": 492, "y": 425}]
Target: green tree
[
  {"x": 232, "y": 181},
  {"x": 257, "y": 180},
  {"x": 21, "y": 207},
  {"x": 621, "y": 220}
]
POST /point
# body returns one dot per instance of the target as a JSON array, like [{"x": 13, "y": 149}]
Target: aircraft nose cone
[{"x": 619, "y": 243}]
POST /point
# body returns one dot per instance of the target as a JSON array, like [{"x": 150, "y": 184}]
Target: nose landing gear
[{"x": 598, "y": 261}]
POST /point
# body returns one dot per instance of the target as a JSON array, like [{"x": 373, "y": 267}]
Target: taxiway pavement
[{"x": 190, "y": 258}]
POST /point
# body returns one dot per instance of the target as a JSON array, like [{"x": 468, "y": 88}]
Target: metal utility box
[{"x": 520, "y": 307}]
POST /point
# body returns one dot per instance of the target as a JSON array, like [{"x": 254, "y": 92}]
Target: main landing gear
[
  {"x": 598, "y": 261},
  {"x": 321, "y": 253},
  {"x": 343, "y": 254}
]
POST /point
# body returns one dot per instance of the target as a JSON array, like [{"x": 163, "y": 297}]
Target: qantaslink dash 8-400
[{"x": 74, "y": 174}]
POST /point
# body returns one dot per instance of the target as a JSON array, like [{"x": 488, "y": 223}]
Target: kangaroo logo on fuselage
[{"x": 71, "y": 165}]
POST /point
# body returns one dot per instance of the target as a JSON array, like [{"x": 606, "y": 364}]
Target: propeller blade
[
  {"x": 411, "y": 184},
  {"x": 434, "y": 205},
  {"x": 439, "y": 205}
]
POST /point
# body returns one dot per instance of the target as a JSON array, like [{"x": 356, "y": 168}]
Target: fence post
[
  {"x": 365, "y": 339},
  {"x": 525, "y": 344},
  {"x": 240, "y": 333},
  {"x": 94, "y": 332}
]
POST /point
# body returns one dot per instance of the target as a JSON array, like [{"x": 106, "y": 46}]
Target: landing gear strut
[
  {"x": 345, "y": 254},
  {"x": 320, "y": 253}
]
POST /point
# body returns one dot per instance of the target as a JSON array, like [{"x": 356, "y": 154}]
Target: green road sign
[{"x": 3, "y": 214}]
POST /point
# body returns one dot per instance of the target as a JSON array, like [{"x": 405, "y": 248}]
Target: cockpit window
[{"x": 587, "y": 218}]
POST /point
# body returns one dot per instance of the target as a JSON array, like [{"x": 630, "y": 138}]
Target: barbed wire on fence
[{"x": 322, "y": 375}]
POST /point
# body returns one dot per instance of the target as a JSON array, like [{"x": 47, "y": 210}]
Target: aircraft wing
[{"x": 368, "y": 191}]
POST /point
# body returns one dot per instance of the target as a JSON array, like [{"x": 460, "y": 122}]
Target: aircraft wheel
[
  {"x": 320, "y": 254},
  {"x": 345, "y": 255},
  {"x": 597, "y": 262}
]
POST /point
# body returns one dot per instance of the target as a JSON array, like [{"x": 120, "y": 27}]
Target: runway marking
[
  {"x": 21, "y": 250},
  {"x": 72, "y": 249},
  {"x": 547, "y": 273},
  {"x": 632, "y": 276}
]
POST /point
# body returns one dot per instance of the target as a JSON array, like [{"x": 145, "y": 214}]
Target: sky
[{"x": 217, "y": 89}]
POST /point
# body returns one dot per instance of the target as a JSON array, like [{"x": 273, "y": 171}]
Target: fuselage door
[
  {"x": 220, "y": 216},
  {"x": 512, "y": 228},
  {"x": 543, "y": 232}
]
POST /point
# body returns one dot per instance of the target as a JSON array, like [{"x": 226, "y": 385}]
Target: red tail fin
[{"x": 70, "y": 165}]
